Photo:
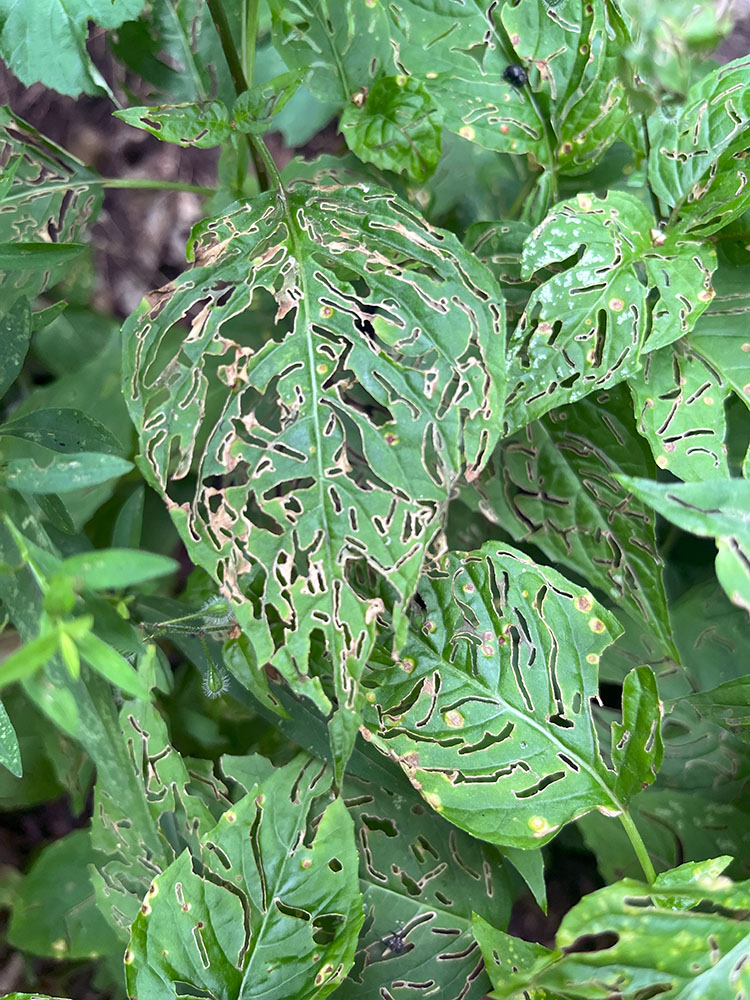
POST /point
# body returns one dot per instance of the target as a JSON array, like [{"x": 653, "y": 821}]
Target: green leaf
[
  {"x": 106, "y": 661},
  {"x": 15, "y": 336},
  {"x": 420, "y": 878},
  {"x": 395, "y": 126},
  {"x": 461, "y": 54},
  {"x": 52, "y": 472},
  {"x": 47, "y": 198},
  {"x": 253, "y": 112},
  {"x": 679, "y": 405},
  {"x": 115, "y": 569},
  {"x": 10, "y": 752},
  {"x": 54, "y": 913},
  {"x": 200, "y": 125},
  {"x": 637, "y": 746},
  {"x": 552, "y": 485},
  {"x": 63, "y": 430},
  {"x": 305, "y": 455},
  {"x": 696, "y": 161},
  {"x": 721, "y": 334},
  {"x": 144, "y": 816},
  {"x": 280, "y": 912},
  {"x": 58, "y": 58},
  {"x": 28, "y": 659},
  {"x": 344, "y": 45},
  {"x": 713, "y": 509},
  {"x": 629, "y": 289},
  {"x": 36, "y": 256},
  {"x": 640, "y": 944},
  {"x": 486, "y": 714}
]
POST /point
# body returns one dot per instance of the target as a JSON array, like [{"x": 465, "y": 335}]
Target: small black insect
[
  {"x": 515, "y": 75},
  {"x": 396, "y": 942}
]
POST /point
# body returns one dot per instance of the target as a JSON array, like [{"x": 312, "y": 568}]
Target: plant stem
[
  {"x": 219, "y": 17},
  {"x": 147, "y": 183},
  {"x": 250, "y": 16},
  {"x": 638, "y": 846}
]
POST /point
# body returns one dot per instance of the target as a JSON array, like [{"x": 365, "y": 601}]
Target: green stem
[
  {"x": 149, "y": 184},
  {"x": 237, "y": 72},
  {"x": 250, "y": 14},
  {"x": 638, "y": 846}
]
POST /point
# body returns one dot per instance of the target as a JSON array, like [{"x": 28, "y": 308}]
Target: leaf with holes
[
  {"x": 697, "y": 155},
  {"x": 388, "y": 346},
  {"x": 586, "y": 327},
  {"x": 344, "y": 44},
  {"x": 50, "y": 198},
  {"x": 143, "y": 818},
  {"x": 552, "y": 485},
  {"x": 679, "y": 405},
  {"x": 420, "y": 879},
  {"x": 199, "y": 125},
  {"x": 721, "y": 336},
  {"x": 396, "y": 127},
  {"x": 278, "y": 911},
  {"x": 629, "y": 940},
  {"x": 569, "y": 109},
  {"x": 487, "y": 710}
]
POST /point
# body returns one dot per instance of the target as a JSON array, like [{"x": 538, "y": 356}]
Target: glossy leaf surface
[
  {"x": 488, "y": 709},
  {"x": 10, "y": 753},
  {"x": 682, "y": 953},
  {"x": 278, "y": 914}
]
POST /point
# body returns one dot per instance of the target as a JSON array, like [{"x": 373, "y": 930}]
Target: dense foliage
[{"x": 448, "y": 431}]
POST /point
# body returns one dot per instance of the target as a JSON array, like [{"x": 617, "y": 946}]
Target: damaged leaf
[
  {"x": 278, "y": 908},
  {"x": 629, "y": 289},
  {"x": 488, "y": 708},
  {"x": 387, "y": 348}
]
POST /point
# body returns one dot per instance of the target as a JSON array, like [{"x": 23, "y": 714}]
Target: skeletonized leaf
[
  {"x": 697, "y": 156},
  {"x": 488, "y": 711},
  {"x": 679, "y": 405},
  {"x": 552, "y": 484},
  {"x": 49, "y": 198},
  {"x": 45, "y": 41},
  {"x": 641, "y": 943},
  {"x": 396, "y": 128},
  {"x": 637, "y": 747},
  {"x": 280, "y": 914},
  {"x": 586, "y": 327},
  {"x": 420, "y": 879},
  {"x": 337, "y": 440},
  {"x": 200, "y": 125},
  {"x": 344, "y": 45},
  {"x": 728, "y": 704}
]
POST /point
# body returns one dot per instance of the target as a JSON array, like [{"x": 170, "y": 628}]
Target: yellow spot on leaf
[
  {"x": 467, "y": 132},
  {"x": 596, "y": 625}
]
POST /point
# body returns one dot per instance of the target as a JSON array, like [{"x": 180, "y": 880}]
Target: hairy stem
[
  {"x": 638, "y": 846},
  {"x": 221, "y": 23}
]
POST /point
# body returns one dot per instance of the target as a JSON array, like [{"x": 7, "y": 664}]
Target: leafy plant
[{"x": 400, "y": 545}]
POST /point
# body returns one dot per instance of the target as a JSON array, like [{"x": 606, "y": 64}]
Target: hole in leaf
[
  {"x": 593, "y": 942},
  {"x": 326, "y": 926},
  {"x": 386, "y": 826},
  {"x": 532, "y": 790},
  {"x": 335, "y": 865}
]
